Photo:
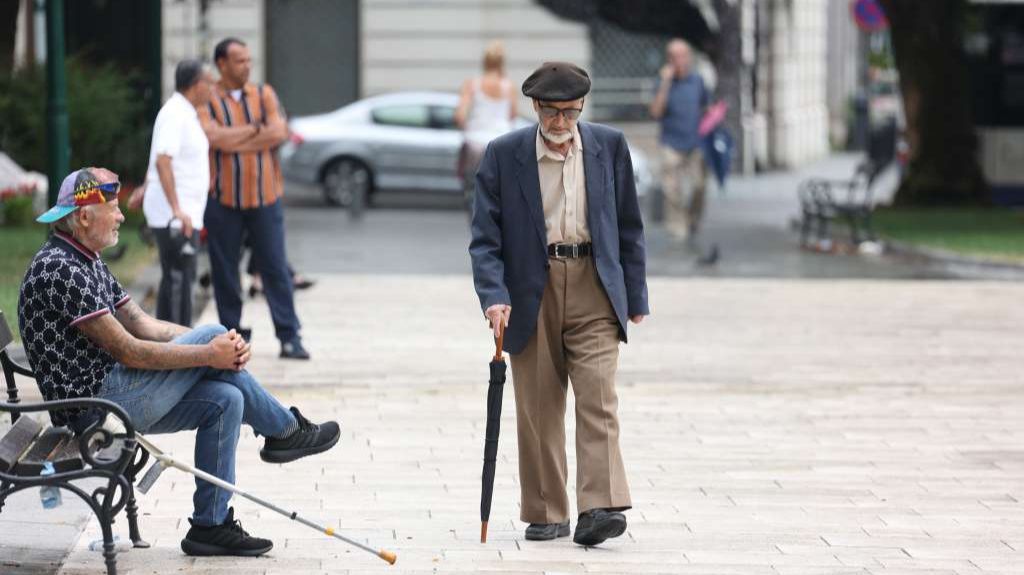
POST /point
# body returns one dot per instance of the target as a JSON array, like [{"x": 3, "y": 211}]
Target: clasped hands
[{"x": 230, "y": 351}]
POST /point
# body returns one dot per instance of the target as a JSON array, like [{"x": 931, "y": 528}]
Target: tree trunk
[
  {"x": 727, "y": 55},
  {"x": 8, "y": 27},
  {"x": 927, "y": 39}
]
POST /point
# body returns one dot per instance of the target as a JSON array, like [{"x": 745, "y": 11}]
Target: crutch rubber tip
[
  {"x": 388, "y": 556},
  {"x": 483, "y": 532}
]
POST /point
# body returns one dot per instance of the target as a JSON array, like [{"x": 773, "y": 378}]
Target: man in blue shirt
[{"x": 679, "y": 104}]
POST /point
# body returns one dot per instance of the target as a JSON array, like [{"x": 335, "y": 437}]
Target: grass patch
[
  {"x": 20, "y": 244},
  {"x": 990, "y": 233}
]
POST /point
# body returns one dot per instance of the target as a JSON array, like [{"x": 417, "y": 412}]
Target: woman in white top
[{"x": 487, "y": 106}]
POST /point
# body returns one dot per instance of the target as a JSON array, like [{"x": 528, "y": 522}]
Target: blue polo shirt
[{"x": 683, "y": 110}]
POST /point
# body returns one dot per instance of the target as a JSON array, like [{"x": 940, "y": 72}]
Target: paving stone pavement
[{"x": 777, "y": 427}]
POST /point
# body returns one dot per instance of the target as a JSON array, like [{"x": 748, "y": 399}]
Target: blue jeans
[
  {"x": 213, "y": 401},
  {"x": 265, "y": 229}
]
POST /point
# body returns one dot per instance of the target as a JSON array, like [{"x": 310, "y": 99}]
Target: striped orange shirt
[{"x": 244, "y": 180}]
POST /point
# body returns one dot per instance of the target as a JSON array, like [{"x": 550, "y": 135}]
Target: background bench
[{"x": 823, "y": 201}]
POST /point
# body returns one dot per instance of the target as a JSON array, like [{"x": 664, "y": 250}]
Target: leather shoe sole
[
  {"x": 607, "y": 527},
  {"x": 547, "y": 532}
]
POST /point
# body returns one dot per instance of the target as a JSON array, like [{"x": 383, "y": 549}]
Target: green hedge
[{"x": 107, "y": 119}]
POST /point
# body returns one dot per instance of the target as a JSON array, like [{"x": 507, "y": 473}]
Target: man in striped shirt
[{"x": 244, "y": 125}]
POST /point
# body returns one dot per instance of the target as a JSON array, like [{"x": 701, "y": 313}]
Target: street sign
[{"x": 868, "y": 15}]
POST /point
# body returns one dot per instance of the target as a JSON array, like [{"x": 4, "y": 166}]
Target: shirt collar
[
  {"x": 72, "y": 242},
  {"x": 224, "y": 92},
  {"x": 543, "y": 151},
  {"x": 183, "y": 101}
]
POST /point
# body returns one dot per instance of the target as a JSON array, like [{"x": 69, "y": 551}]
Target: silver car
[{"x": 393, "y": 142}]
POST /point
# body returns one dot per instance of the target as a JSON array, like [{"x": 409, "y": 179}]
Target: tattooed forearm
[
  {"x": 166, "y": 331},
  {"x": 109, "y": 333},
  {"x": 143, "y": 326},
  {"x": 157, "y": 355}
]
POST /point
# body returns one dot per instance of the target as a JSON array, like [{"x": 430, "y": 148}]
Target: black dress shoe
[
  {"x": 597, "y": 525},
  {"x": 547, "y": 531},
  {"x": 293, "y": 349}
]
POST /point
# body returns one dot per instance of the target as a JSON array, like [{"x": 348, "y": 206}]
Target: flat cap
[{"x": 557, "y": 82}]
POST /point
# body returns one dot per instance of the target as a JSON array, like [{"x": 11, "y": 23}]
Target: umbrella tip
[{"x": 483, "y": 532}]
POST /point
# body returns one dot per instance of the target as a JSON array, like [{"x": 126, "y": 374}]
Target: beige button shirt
[{"x": 563, "y": 192}]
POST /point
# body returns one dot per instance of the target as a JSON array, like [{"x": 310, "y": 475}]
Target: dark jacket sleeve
[
  {"x": 485, "y": 247},
  {"x": 632, "y": 251}
]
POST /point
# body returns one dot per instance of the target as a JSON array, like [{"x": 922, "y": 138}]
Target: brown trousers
[
  {"x": 683, "y": 182},
  {"x": 577, "y": 339}
]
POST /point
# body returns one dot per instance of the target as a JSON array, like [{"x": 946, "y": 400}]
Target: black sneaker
[
  {"x": 597, "y": 525},
  {"x": 227, "y": 538},
  {"x": 309, "y": 439},
  {"x": 293, "y": 349}
]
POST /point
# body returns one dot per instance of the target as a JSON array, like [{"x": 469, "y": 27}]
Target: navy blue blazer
[{"x": 509, "y": 251}]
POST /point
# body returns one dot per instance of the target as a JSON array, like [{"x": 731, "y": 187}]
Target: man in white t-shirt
[{"x": 178, "y": 183}]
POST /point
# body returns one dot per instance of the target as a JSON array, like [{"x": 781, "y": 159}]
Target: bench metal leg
[
  {"x": 855, "y": 234},
  {"x": 869, "y": 229},
  {"x": 4, "y": 485},
  {"x": 824, "y": 235},
  {"x": 131, "y": 507},
  {"x": 805, "y": 228},
  {"x": 109, "y": 551}
]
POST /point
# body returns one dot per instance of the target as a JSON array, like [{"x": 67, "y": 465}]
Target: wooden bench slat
[
  {"x": 6, "y": 337},
  {"x": 67, "y": 457},
  {"x": 57, "y": 445},
  {"x": 17, "y": 441}
]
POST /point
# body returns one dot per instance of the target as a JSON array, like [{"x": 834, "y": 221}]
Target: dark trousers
[
  {"x": 178, "y": 275},
  {"x": 265, "y": 228}
]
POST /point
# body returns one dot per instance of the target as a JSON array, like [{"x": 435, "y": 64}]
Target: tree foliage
[{"x": 106, "y": 118}]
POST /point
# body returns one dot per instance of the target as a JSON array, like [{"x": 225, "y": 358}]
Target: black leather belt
[{"x": 569, "y": 250}]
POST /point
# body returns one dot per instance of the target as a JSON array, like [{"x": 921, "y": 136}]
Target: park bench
[
  {"x": 93, "y": 458},
  {"x": 823, "y": 201}
]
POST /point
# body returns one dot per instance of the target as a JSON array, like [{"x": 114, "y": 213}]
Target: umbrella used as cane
[{"x": 494, "y": 391}]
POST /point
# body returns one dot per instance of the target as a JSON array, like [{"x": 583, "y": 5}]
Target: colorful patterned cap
[{"x": 81, "y": 188}]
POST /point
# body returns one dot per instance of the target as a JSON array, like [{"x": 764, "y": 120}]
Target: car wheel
[{"x": 346, "y": 184}]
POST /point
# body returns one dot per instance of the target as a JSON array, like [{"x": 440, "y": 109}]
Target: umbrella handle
[{"x": 498, "y": 342}]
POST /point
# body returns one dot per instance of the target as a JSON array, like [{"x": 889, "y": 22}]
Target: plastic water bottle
[
  {"x": 49, "y": 494},
  {"x": 119, "y": 546}
]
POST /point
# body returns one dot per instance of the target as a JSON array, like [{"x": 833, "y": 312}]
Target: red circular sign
[{"x": 868, "y": 15}]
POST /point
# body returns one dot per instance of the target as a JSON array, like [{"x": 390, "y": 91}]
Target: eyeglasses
[
  {"x": 111, "y": 188},
  {"x": 98, "y": 194},
  {"x": 570, "y": 114}
]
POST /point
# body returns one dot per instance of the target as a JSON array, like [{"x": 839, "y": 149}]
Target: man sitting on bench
[{"x": 85, "y": 337}]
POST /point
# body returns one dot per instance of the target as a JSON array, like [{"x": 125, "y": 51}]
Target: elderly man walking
[
  {"x": 85, "y": 337},
  {"x": 558, "y": 258},
  {"x": 178, "y": 183},
  {"x": 679, "y": 104}
]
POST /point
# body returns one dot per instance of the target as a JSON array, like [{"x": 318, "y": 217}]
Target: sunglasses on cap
[
  {"x": 98, "y": 194},
  {"x": 570, "y": 114}
]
